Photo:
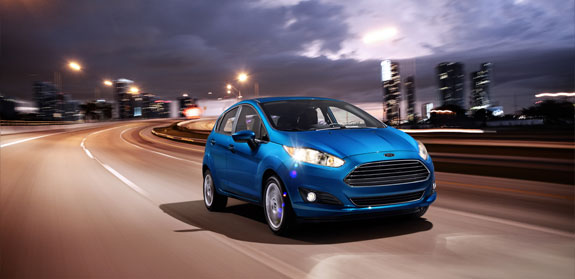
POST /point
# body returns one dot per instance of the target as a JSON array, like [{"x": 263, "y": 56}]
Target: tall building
[
  {"x": 46, "y": 97},
  {"x": 391, "y": 91},
  {"x": 124, "y": 100},
  {"x": 480, "y": 85},
  {"x": 184, "y": 102},
  {"x": 410, "y": 92},
  {"x": 54, "y": 105},
  {"x": 451, "y": 83}
]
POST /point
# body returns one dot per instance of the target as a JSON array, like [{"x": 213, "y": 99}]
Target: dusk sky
[{"x": 289, "y": 47}]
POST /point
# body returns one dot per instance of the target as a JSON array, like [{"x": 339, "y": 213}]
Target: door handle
[
  {"x": 231, "y": 148},
  {"x": 213, "y": 141}
]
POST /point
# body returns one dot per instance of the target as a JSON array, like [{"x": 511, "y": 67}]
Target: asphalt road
[{"x": 117, "y": 202}]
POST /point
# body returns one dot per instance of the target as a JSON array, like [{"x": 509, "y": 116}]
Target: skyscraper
[
  {"x": 124, "y": 98},
  {"x": 450, "y": 79},
  {"x": 391, "y": 91},
  {"x": 49, "y": 101},
  {"x": 410, "y": 92},
  {"x": 480, "y": 85}
]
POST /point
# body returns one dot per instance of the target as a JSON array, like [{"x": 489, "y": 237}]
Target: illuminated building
[
  {"x": 52, "y": 104},
  {"x": 410, "y": 92},
  {"x": 185, "y": 102},
  {"x": 426, "y": 110},
  {"x": 124, "y": 100},
  {"x": 391, "y": 91},
  {"x": 480, "y": 85},
  {"x": 153, "y": 107},
  {"x": 450, "y": 79},
  {"x": 48, "y": 100}
]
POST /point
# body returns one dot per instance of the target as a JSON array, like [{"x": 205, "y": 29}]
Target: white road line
[
  {"x": 156, "y": 152},
  {"x": 28, "y": 139},
  {"x": 125, "y": 180},
  {"x": 122, "y": 178},
  {"x": 86, "y": 149},
  {"x": 507, "y": 222}
]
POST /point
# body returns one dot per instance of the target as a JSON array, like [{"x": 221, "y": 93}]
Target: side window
[
  {"x": 320, "y": 118},
  {"x": 249, "y": 119},
  {"x": 346, "y": 118},
  {"x": 227, "y": 122}
]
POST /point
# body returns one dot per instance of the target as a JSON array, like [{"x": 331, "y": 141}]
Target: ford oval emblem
[{"x": 388, "y": 154}]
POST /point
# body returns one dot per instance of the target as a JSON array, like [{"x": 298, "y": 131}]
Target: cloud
[{"x": 289, "y": 47}]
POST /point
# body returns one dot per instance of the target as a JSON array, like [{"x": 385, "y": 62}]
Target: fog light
[
  {"x": 434, "y": 186},
  {"x": 311, "y": 197}
]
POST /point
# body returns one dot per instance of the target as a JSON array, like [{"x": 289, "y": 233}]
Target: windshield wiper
[{"x": 332, "y": 126}]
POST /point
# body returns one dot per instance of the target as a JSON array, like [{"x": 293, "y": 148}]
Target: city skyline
[{"x": 308, "y": 47}]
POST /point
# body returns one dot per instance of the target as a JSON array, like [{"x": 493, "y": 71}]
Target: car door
[
  {"x": 220, "y": 142},
  {"x": 244, "y": 160}
]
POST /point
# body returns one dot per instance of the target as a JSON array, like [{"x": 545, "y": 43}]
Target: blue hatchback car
[{"x": 304, "y": 158}]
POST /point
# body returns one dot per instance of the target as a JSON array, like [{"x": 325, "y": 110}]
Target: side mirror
[{"x": 244, "y": 136}]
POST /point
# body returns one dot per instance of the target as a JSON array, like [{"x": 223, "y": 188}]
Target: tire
[
  {"x": 212, "y": 200},
  {"x": 277, "y": 207},
  {"x": 419, "y": 213}
]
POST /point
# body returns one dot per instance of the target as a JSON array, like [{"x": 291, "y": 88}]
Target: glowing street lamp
[
  {"x": 75, "y": 66},
  {"x": 231, "y": 87},
  {"x": 134, "y": 90},
  {"x": 242, "y": 77}
]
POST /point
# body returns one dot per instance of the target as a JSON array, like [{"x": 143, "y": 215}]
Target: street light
[
  {"x": 74, "y": 66},
  {"x": 242, "y": 77},
  {"x": 231, "y": 87},
  {"x": 134, "y": 90}
]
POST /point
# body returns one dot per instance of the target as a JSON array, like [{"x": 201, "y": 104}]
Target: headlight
[
  {"x": 422, "y": 151},
  {"x": 313, "y": 156}
]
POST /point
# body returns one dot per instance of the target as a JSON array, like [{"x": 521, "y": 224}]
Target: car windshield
[{"x": 310, "y": 115}]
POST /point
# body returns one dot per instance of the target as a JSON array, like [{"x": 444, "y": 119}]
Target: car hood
[{"x": 349, "y": 142}]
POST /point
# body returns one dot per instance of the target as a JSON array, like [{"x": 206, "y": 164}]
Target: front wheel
[
  {"x": 213, "y": 200},
  {"x": 420, "y": 212},
  {"x": 277, "y": 207}
]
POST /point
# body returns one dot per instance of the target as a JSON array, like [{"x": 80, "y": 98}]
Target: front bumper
[{"x": 309, "y": 177}]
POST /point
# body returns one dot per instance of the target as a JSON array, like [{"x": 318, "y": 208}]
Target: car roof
[{"x": 275, "y": 99}]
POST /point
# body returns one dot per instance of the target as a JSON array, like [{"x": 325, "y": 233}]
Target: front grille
[
  {"x": 387, "y": 200},
  {"x": 390, "y": 172}
]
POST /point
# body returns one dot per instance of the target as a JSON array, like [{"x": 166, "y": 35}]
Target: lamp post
[
  {"x": 230, "y": 88},
  {"x": 243, "y": 77},
  {"x": 72, "y": 65}
]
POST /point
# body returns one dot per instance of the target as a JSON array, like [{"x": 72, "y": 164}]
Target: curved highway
[{"x": 114, "y": 201}]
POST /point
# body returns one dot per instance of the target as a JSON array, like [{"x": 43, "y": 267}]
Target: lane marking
[
  {"x": 72, "y": 130},
  {"x": 155, "y": 152},
  {"x": 28, "y": 139},
  {"x": 125, "y": 180},
  {"x": 529, "y": 193},
  {"x": 122, "y": 178},
  {"x": 507, "y": 222}
]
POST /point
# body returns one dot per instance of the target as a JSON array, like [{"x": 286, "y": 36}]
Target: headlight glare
[
  {"x": 422, "y": 151},
  {"x": 313, "y": 156}
]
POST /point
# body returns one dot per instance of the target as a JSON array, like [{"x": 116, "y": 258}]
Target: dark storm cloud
[
  {"x": 169, "y": 47},
  {"x": 161, "y": 44}
]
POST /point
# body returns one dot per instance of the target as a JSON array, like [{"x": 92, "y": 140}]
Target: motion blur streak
[
  {"x": 65, "y": 215},
  {"x": 155, "y": 152},
  {"x": 26, "y": 139}
]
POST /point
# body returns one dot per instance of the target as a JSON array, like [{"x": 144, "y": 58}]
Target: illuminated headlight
[
  {"x": 313, "y": 156},
  {"x": 422, "y": 151}
]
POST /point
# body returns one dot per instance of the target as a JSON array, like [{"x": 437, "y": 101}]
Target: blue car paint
[{"x": 243, "y": 174}]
